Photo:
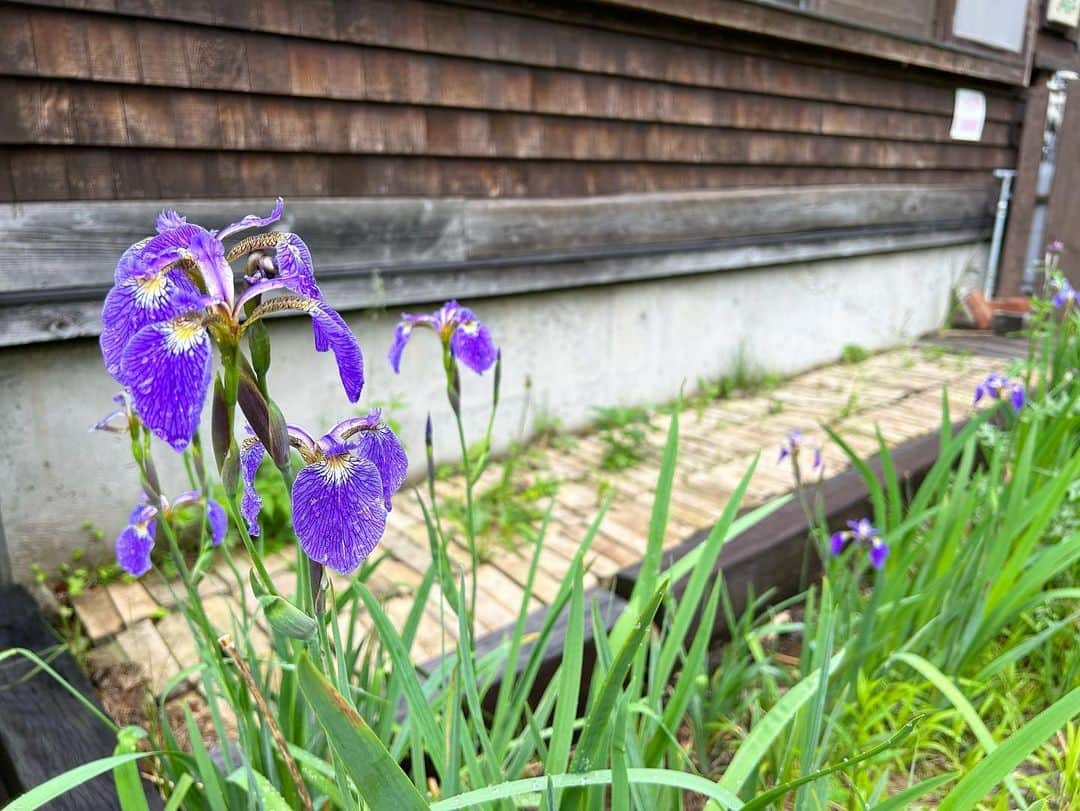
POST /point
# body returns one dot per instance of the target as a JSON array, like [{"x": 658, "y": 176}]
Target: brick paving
[{"x": 898, "y": 391}]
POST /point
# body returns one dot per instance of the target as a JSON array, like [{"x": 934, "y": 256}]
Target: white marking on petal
[
  {"x": 182, "y": 336},
  {"x": 338, "y": 468}
]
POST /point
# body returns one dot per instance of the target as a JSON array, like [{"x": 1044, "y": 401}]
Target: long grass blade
[
  {"x": 996, "y": 766},
  {"x": 600, "y": 777},
  {"x": 376, "y": 775}
]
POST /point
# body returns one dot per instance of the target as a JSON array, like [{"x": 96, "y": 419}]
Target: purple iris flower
[
  {"x": 457, "y": 328},
  {"x": 134, "y": 544},
  {"x": 341, "y": 496},
  {"x": 863, "y": 533},
  {"x": 1065, "y": 295},
  {"x": 793, "y": 443},
  {"x": 174, "y": 292},
  {"x": 119, "y": 420},
  {"x": 1057, "y": 246},
  {"x": 997, "y": 386}
]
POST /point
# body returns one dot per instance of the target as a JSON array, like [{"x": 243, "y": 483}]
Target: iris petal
[
  {"x": 129, "y": 263},
  {"x": 138, "y": 301},
  {"x": 166, "y": 247},
  {"x": 133, "y": 548},
  {"x": 168, "y": 220},
  {"x": 878, "y": 553},
  {"x": 167, "y": 368},
  {"x": 254, "y": 221},
  {"x": 251, "y": 456},
  {"x": 295, "y": 268},
  {"x": 331, "y": 332},
  {"x": 401, "y": 337},
  {"x": 381, "y": 447},
  {"x": 472, "y": 344},
  {"x": 209, "y": 254},
  {"x": 219, "y": 522},
  {"x": 1017, "y": 397},
  {"x": 339, "y": 512}
]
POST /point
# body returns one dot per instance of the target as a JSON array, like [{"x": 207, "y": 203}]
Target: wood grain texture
[
  {"x": 379, "y": 252},
  {"x": 838, "y": 34},
  {"x": 142, "y": 100},
  {"x": 45, "y": 730},
  {"x": 768, "y": 556},
  {"x": 477, "y": 74},
  {"x": 42, "y": 174}
]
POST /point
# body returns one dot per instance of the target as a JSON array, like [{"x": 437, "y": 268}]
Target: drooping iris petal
[
  {"x": 472, "y": 344},
  {"x": 167, "y": 368},
  {"x": 338, "y": 510},
  {"x": 878, "y": 553},
  {"x": 218, "y": 521},
  {"x": 1017, "y": 397},
  {"x": 401, "y": 337},
  {"x": 381, "y": 447},
  {"x": 133, "y": 547},
  {"x": 817, "y": 457},
  {"x": 253, "y": 221},
  {"x": 295, "y": 268},
  {"x": 137, "y": 301},
  {"x": 331, "y": 332},
  {"x": 251, "y": 456},
  {"x": 168, "y": 220},
  {"x": 837, "y": 542}
]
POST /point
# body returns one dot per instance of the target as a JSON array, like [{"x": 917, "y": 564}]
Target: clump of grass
[
  {"x": 624, "y": 435},
  {"x": 507, "y": 513},
  {"x": 853, "y": 353}
]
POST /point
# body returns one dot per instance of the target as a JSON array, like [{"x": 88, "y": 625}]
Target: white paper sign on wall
[
  {"x": 969, "y": 115},
  {"x": 1063, "y": 12}
]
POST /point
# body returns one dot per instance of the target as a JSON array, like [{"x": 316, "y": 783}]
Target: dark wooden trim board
[
  {"x": 609, "y": 608},
  {"x": 807, "y": 27},
  {"x": 44, "y": 730},
  {"x": 768, "y": 556},
  {"x": 59, "y": 257}
]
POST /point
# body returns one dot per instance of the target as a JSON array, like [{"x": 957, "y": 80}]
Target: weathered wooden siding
[{"x": 139, "y": 100}]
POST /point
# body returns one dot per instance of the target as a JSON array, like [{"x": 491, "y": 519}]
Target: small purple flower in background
[
  {"x": 996, "y": 386},
  {"x": 1065, "y": 295},
  {"x": 1057, "y": 246},
  {"x": 174, "y": 292},
  {"x": 341, "y": 496},
  {"x": 863, "y": 533},
  {"x": 134, "y": 544},
  {"x": 793, "y": 444},
  {"x": 120, "y": 420},
  {"x": 465, "y": 337}
]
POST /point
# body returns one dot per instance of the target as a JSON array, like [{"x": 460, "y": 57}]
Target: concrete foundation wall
[{"x": 632, "y": 343}]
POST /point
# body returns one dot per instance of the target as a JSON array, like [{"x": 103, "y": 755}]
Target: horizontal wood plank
[
  {"x": 59, "y": 113},
  {"x": 375, "y": 252},
  {"x": 774, "y": 95},
  {"x": 41, "y": 173},
  {"x": 422, "y": 33}
]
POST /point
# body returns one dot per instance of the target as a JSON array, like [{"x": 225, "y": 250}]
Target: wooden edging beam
[
  {"x": 44, "y": 729},
  {"x": 768, "y": 556}
]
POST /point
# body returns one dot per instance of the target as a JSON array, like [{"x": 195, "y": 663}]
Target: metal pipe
[{"x": 1006, "y": 176}]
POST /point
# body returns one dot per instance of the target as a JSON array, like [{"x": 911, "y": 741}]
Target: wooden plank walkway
[{"x": 899, "y": 391}]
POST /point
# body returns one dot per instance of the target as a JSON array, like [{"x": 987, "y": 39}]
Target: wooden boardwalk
[{"x": 899, "y": 391}]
